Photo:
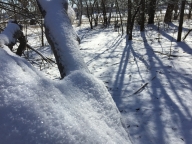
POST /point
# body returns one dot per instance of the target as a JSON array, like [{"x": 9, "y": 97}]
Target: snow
[
  {"x": 6, "y": 37},
  {"x": 161, "y": 112},
  {"x": 33, "y": 109},
  {"x": 78, "y": 109}
]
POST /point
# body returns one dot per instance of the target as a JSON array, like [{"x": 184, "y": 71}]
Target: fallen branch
[
  {"x": 48, "y": 60},
  {"x": 187, "y": 34},
  {"x": 142, "y": 88}
]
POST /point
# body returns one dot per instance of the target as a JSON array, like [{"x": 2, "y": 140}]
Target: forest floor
[{"x": 149, "y": 78}]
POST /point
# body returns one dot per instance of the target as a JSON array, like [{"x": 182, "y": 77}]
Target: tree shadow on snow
[{"x": 161, "y": 109}]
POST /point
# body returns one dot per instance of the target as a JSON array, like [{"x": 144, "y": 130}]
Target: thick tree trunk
[
  {"x": 151, "y": 11},
  {"x": 61, "y": 36},
  {"x": 169, "y": 11}
]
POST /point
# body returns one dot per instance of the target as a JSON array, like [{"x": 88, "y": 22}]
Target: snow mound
[
  {"x": 34, "y": 109},
  {"x": 6, "y": 37},
  {"x": 71, "y": 14}
]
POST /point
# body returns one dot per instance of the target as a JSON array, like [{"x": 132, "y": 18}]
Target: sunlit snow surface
[
  {"x": 161, "y": 112},
  {"x": 34, "y": 109}
]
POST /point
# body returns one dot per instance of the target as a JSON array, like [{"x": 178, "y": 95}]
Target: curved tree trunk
[{"x": 61, "y": 36}]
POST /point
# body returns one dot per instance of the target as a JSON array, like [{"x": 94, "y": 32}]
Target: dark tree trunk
[
  {"x": 169, "y": 11},
  {"x": 151, "y": 11},
  {"x": 89, "y": 16},
  {"x": 129, "y": 16},
  {"x": 132, "y": 21},
  {"x": 22, "y": 45},
  {"x": 104, "y": 12},
  {"x": 181, "y": 20},
  {"x": 190, "y": 9},
  {"x": 117, "y": 5},
  {"x": 80, "y": 9},
  {"x": 109, "y": 18},
  {"x": 142, "y": 16}
]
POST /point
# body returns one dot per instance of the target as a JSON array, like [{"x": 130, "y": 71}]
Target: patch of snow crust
[{"x": 33, "y": 109}]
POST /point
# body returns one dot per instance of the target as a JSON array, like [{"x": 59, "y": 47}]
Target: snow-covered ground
[{"x": 151, "y": 89}]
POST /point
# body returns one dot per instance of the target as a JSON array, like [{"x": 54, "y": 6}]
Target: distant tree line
[
  {"x": 131, "y": 12},
  {"x": 123, "y": 14}
]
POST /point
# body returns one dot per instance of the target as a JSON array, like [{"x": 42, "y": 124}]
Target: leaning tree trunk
[{"x": 61, "y": 36}]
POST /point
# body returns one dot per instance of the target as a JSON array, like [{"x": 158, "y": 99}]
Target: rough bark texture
[{"x": 59, "y": 35}]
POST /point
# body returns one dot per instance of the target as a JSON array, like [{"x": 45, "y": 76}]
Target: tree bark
[
  {"x": 132, "y": 21},
  {"x": 129, "y": 16},
  {"x": 61, "y": 36},
  {"x": 169, "y": 11},
  {"x": 181, "y": 20},
  {"x": 142, "y": 27},
  {"x": 151, "y": 11},
  {"x": 190, "y": 9}
]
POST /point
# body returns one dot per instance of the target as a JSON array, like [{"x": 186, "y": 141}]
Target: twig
[
  {"x": 142, "y": 88},
  {"x": 44, "y": 58},
  {"x": 169, "y": 55},
  {"x": 187, "y": 34}
]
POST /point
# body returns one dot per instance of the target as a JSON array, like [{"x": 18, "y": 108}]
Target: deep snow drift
[{"x": 33, "y": 109}]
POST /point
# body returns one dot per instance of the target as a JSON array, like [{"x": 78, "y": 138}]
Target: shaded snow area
[
  {"x": 35, "y": 110},
  {"x": 152, "y": 91}
]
